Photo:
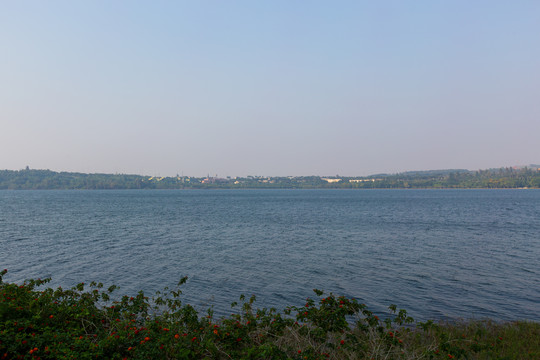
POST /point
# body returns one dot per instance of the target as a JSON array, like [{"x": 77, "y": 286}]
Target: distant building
[
  {"x": 214, "y": 180},
  {"x": 331, "y": 180},
  {"x": 360, "y": 180}
]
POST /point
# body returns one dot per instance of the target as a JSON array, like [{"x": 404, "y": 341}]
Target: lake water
[{"x": 440, "y": 254}]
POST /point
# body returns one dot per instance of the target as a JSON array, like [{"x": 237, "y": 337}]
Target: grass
[{"x": 85, "y": 322}]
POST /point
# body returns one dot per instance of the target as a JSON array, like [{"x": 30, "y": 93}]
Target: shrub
[{"x": 91, "y": 322}]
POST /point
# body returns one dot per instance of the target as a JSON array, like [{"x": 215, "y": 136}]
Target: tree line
[{"x": 31, "y": 179}]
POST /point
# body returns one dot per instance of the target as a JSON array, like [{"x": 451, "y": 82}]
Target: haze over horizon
[{"x": 275, "y": 88}]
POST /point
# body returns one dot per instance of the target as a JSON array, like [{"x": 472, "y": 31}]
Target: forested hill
[{"x": 525, "y": 177}]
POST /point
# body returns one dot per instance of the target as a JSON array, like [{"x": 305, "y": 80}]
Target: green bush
[{"x": 91, "y": 322}]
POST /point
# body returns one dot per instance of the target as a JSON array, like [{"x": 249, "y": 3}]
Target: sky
[{"x": 269, "y": 88}]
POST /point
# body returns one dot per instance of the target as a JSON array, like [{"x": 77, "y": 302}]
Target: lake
[{"x": 440, "y": 254}]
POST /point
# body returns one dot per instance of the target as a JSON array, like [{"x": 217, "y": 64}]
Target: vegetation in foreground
[{"x": 85, "y": 323}]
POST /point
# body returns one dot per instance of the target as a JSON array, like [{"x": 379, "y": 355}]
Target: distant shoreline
[
  {"x": 503, "y": 178},
  {"x": 266, "y": 189}
]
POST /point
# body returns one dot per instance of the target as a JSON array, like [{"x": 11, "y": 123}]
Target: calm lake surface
[{"x": 440, "y": 254}]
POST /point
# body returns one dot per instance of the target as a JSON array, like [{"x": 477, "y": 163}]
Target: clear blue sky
[{"x": 269, "y": 87}]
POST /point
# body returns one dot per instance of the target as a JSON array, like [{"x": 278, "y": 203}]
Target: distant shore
[{"x": 503, "y": 178}]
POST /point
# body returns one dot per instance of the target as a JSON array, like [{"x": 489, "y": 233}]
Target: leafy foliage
[{"x": 85, "y": 322}]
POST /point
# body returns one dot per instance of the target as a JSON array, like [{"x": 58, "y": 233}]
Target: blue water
[{"x": 441, "y": 254}]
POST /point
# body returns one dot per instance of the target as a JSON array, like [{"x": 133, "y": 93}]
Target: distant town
[{"x": 507, "y": 177}]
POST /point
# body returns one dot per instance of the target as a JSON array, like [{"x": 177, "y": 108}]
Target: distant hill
[
  {"x": 435, "y": 172},
  {"x": 510, "y": 177}
]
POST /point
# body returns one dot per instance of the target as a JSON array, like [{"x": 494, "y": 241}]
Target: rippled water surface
[{"x": 437, "y": 253}]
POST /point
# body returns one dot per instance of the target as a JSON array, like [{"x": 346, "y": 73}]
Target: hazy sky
[{"x": 269, "y": 87}]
